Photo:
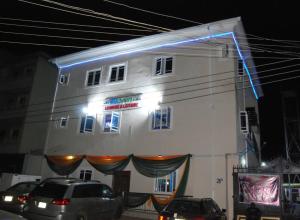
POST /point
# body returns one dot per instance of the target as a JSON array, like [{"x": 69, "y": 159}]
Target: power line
[
  {"x": 181, "y": 87},
  {"x": 41, "y": 44},
  {"x": 151, "y": 12},
  {"x": 185, "y": 99},
  {"x": 67, "y": 29},
  {"x": 73, "y": 24},
  {"x": 88, "y": 15},
  {"x": 55, "y": 36}
]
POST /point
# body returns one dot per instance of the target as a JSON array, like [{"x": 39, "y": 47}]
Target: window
[
  {"x": 63, "y": 122},
  {"x": 225, "y": 51},
  {"x": 50, "y": 190},
  {"x": 240, "y": 67},
  {"x": 166, "y": 183},
  {"x": 87, "y": 191},
  {"x": 86, "y": 124},
  {"x": 64, "y": 79},
  {"x": 93, "y": 78},
  {"x": 85, "y": 175},
  {"x": 164, "y": 65},
  {"x": 244, "y": 122},
  {"x": 117, "y": 73},
  {"x": 112, "y": 122},
  {"x": 161, "y": 118}
]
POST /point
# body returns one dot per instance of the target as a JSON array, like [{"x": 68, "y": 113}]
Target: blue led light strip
[{"x": 174, "y": 44}]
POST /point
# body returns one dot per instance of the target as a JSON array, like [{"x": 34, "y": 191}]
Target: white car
[{"x": 4, "y": 215}]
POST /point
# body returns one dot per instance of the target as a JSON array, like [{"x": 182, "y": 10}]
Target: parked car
[
  {"x": 15, "y": 197},
  {"x": 4, "y": 215},
  {"x": 192, "y": 209},
  {"x": 71, "y": 199}
]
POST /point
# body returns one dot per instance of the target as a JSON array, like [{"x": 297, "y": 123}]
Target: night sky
[{"x": 274, "y": 19}]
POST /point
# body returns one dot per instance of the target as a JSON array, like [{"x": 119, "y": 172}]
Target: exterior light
[
  {"x": 70, "y": 157},
  {"x": 243, "y": 161},
  {"x": 92, "y": 109},
  {"x": 263, "y": 164},
  {"x": 151, "y": 101}
]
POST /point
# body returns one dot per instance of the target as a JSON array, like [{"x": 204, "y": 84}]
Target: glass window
[
  {"x": 164, "y": 65},
  {"x": 85, "y": 174},
  {"x": 161, "y": 118},
  {"x": 87, "y": 124},
  {"x": 185, "y": 206},
  {"x": 50, "y": 190},
  {"x": 93, "y": 78},
  {"x": 117, "y": 73},
  {"x": 106, "y": 190},
  {"x": 64, "y": 79},
  {"x": 111, "y": 122},
  {"x": 63, "y": 122},
  {"x": 166, "y": 183},
  {"x": 87, "y": 191}
]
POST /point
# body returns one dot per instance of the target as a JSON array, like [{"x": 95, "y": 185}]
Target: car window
[
  {"x": 182, "y": 207},
  {"x": 50, "y": 190},
  {"x": 87, "y": 191},
  {"x": 105, "y": 190},
  {"x": 22, "y": 187},
  {"x": 212, "y": 207}
]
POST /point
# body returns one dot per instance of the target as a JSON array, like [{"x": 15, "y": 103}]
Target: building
[
  {"x": 27, "y": 84},
  {"x": 191, "y": 91}
]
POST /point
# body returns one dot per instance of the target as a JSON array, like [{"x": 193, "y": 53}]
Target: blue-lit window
[
  {"x": 93, "y": 78},
  {"x": 112, "y": 122},
  {"x": 166, "y": 184},
  {"x": 64, "y": 79},
  {"x": 164, "y": 65},
  {"x": 161, "y": 118},
  {"x": 117, "y": 73},
  {"x": 87, "y": 124}
]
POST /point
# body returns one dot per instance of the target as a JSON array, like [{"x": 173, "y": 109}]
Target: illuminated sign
[{"x": 122, "y": 103}]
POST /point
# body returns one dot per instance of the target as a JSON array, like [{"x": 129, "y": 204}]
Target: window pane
[
  {"x": 157, "y": 119},
  {"x": 87, "y": 191},
  {"x": 121, "y": 73},
  {"x": 115, "y": 121},
  {"x": 50, "y": 190},
  {"x": 169, "y": 64},
  {"x": 82, "y": 124},
  {"x": 97, "y": 78},
  {"x": 107, "y": 122},
  {"x": 90, "y": 79},
  {"x": 113, "y": 75},
  {"x": 158, "y": 66},
  {"x": 89, "y": 123}
]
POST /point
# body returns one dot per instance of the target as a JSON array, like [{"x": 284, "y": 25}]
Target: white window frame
[
  {"x": 64, "y": 79},
  {"x": 171, "y": 119},
  {"x": 84, "y": 129},
  {"x": 61, "y": 120},
  {"x": 125, "y": 73},
  {"x": 103, "y": 122},
  {"x": 84, "y": 173},
  {"x": 87, "y": 77},
  {"x": 163, "y": 66},
  {"x": 156, "y": 180}
]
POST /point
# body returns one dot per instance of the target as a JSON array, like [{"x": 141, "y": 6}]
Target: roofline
[{"x": 146, "y": 43}]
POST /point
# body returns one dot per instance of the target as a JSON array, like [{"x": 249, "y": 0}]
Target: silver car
[
  {"x": 69, "y": 199},
  {"x": 15, "y": 197}
]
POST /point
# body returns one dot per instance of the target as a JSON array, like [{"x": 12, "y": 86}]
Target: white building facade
[{"x": 175, "y": 93}]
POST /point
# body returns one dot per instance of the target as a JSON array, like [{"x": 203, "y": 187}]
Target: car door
[{"x": 108, "y": 201}]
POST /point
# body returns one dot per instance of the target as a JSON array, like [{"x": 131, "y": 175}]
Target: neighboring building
[
  {"x": 27, "y": 83},
  {"x": 190, "y": 91}
]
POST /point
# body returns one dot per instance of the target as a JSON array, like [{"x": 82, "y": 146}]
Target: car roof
[
  {"x": 192, "y": 199},
  {"x": 69, "y": 181}
]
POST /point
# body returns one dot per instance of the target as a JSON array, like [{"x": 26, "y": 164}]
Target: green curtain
[
  {"x": 159, "y": 206},
  {"x": 157, "y": 168},
  {"x": 62, "y": 166},
  {"x": 110, "y": 165}
]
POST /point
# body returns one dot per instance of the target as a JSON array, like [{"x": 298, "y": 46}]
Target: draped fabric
[
  {"x": 108, "y": 164},
  {"x": 157, "y": 166},
  {"x": 160, "y": 203},
  {"x": 64, "y": 165}
]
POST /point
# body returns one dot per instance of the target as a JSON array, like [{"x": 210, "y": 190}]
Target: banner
[{"x": 261, "y": 189}]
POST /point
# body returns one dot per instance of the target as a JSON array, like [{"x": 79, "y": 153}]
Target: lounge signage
[{"x": 122, "y": 103}]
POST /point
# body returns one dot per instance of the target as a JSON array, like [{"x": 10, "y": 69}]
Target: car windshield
[
  {"x": 50, "y": 190},
  {"x": 186, "y": 207},
  {"x": 22, "y": 188}
]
